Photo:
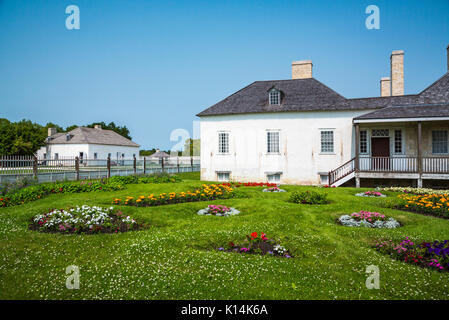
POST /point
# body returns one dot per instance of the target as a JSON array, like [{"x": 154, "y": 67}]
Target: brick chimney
[
  {"x": 397, "y": 73},
  {"x": 51, "y": 131},
  {"x": 97, "y": 126},
  {"x": 385, "y": 87},
  {"x": 302, "y": 69}
]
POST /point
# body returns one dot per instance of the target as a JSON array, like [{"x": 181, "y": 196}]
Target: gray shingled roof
[
  {"x": 83, "y": 135},
  {"x": 415, "y": 111},
  {"x": 254, "y": 98},
  {"x": 437, "y": 92},
  {"x": 311, "y": 95},
  {"x": 160, "y": 154}
]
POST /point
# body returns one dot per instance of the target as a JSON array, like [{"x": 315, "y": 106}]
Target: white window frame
[
  {"x": 382, "y": 136},
  {"x": 218, "y": 173},
  {"x": 431, "y": 141},
  {"x": 267, "y": 132},
  {"x": 273, "y": 174},
  {"x": 321, "y": 141},
  {"x": 367, "y": 142},
  {"x": 278, "y": 97},
  {"x": 393, "y": 142},
  {"x": 324, "y": 175},
  {"x": 219, "y": 142}
]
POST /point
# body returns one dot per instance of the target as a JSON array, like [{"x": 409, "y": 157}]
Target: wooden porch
[{"x": 417, "y": 167}]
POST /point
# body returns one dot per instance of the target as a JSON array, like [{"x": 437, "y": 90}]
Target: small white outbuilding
[{"x": 88, "y": 143}]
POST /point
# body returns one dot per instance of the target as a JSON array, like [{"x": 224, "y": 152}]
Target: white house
[
  {"x": 88, "y": 143},
  {"x": 300, "y": 131}
]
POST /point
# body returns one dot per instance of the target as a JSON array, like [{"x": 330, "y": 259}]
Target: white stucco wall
[
  {"x": 299, "y": 160},
  {"x": 73, "y": 150}
]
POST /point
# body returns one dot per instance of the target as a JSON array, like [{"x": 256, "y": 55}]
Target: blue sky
[{"x": 152, "y": 65}]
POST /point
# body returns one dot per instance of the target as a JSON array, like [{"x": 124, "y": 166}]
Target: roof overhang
[{"x": 401, "y": 120}]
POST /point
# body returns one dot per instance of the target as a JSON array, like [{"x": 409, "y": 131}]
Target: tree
[
  {"x": 70, "y": 128},
  {"x": 7, "y": 136},
  {"x": 123, "y": 131},
  {"x": 22, "y": 147},
  {"x": 52, "y": 125},
  {"x": 193, "y": 146},
  {"x": 147, "y": 152},
  {"x": 20, "y": 138}
]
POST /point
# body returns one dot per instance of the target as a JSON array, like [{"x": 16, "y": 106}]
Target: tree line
[{"x": 26, "y": 137}]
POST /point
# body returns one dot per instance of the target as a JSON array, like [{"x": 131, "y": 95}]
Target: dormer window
[{"x": 275, "y": 97}]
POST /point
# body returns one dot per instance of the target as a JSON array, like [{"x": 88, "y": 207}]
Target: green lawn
[{"x": 173, "y": 259}]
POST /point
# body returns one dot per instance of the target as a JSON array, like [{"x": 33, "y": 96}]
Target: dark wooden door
[{"x": 380, "y": 151}]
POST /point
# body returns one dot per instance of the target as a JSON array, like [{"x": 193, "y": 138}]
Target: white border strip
[{"x": 400, "y": 120}]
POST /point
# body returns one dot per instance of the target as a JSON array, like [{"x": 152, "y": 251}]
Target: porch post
[
  {"x": 419, "y": 155},
  {"x": 356, "y": 165}
]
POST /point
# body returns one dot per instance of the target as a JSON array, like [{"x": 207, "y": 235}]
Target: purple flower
[{"x": 221, "y": 248}]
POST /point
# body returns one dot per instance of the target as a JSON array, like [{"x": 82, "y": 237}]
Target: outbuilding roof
[
  {"x": 84, "y": 135},
  {"x": 160, "y": 154}
]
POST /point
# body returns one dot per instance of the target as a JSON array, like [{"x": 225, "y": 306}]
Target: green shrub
[
  {"x": 11, "y": 187},
  {"x": 35, "y": 192},
  {"x": 154, "y": 178},
  {"x": 308, "y": 197}
]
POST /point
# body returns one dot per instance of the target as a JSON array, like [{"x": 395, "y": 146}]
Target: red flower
[{"x": 254, "y": 235}]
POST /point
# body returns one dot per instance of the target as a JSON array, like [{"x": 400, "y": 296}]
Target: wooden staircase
[{"x": 342, "y": 174}]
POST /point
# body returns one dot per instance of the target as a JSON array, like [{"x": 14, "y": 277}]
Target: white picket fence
[{"x": 74, "y": 168}]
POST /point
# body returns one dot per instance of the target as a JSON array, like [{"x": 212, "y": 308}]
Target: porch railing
[
  {"x": 429, "y": 165},
  {"x": 388, "y": 164},
  {"x": 342, "y": 171},
  {"x": 404, "y": 164},
  {"x": 435, "y": 164}
]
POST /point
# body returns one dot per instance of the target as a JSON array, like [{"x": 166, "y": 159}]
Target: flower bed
[
  {"x": 309, "y": 197},
  {"x": 432, "y": 204},
  {"x": 84, "y": 219},
  {"x": 273, "y": 189},
  {"x": 38, "y": 191},
  {"x": 258, "y": 244},
  {"x": 218, "y": 210},
  {"x": 369, "y": 220},
  {"x": 421, "y": 191},
  {"x": 249, "y": 184},
  {"x": 433, "y": 255},
  {"x": 205, "y": 193},
  {"x": 374, "y": 194}
]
